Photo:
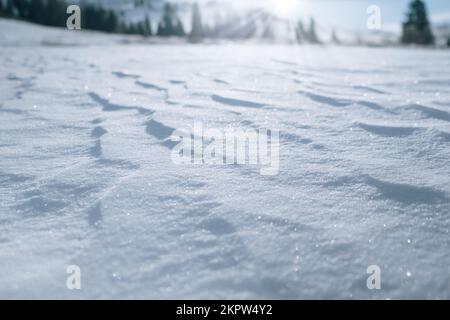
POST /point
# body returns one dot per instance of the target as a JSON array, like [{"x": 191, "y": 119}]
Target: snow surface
[{"x": 86, "y": 178}]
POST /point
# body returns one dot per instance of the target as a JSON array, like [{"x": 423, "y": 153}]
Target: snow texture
[{"x": 86, "y": 176}]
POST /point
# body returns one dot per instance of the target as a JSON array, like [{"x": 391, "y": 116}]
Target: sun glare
[{"x": 286, "y": 8}]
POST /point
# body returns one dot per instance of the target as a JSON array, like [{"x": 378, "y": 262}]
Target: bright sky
[{"x": 346, "y": 13}]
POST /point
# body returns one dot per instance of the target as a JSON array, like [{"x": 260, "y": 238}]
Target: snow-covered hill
[{"x": 86, "y": 176}]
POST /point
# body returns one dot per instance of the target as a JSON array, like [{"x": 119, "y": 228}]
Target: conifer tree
[
  {"x": 166, "y": 27},
  {"x": 21, "y": 7},
  {"x": 417, "y": 28},
  {"x": 312, "y": 35},
  {"x": 197, "y": 31},
  {"x": 148, "y": 27},
  {"x": 9, "y": 7},
  {"x": 170, "y": 24},
  {"x": 37, "y": 12},
  {"x": 55, "y": 13},
  {"x": 334, "y": 37},
  {"x": 300, "y": 32},
  {"x": 179, "y": 29}
]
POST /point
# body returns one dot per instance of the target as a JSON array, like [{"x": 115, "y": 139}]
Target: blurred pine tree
[
  {"x": 197, "y": 31},
  {"x": 417, "y": 28}
]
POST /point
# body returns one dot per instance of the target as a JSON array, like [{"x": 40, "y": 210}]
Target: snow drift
[{"x": 86, "y": 178}]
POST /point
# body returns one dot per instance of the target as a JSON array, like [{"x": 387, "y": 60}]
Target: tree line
[
  {"x": 53, "y": 13},
  {"x": 416, "y": 29},
  {"x": 94, "y": 17},
  {"x": 309, "y": 35}
]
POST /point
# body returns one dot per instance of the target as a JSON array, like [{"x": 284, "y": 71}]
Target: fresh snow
[{"x": 86, "y": 176}]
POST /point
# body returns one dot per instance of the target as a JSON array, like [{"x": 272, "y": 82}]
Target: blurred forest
[{"x": 416, "y": 28}]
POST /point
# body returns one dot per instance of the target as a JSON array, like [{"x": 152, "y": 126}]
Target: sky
[{"x": 346, "y": 13}]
